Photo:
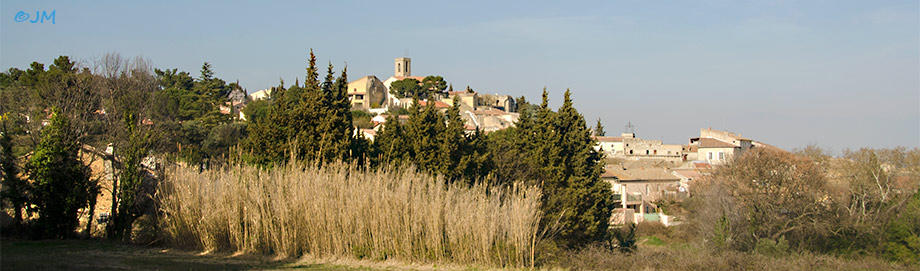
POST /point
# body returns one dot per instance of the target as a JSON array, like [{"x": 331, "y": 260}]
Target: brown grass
[
  {"x": 338, "y": 210},
  {"x": 690, "y": 257}
]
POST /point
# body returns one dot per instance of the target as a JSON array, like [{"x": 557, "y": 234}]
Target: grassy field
[
  {"x": 106, "y": 255},
  {"x": 652, "y": 255}
]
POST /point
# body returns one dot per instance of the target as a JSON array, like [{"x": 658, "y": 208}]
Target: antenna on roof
[{"x": 629, "y": 128}]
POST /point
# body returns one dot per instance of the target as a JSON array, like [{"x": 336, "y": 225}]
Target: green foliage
[
  {"x": 396, "y": 111},
  {"x": 433, "y": 142},
  {"x": 189, "y": 109},
  {"x": 599, "y": 128},
  {"x": 222, "y": 138},
  {"x": 129, "y": 178},
  {"x": 772, "y": 248},
  {"x": 434, "y": 84},
  {"x": 62, "y": 184},
  {"x": 624, "y": 238},
  {"x": 391, "y": 146},
  {"x": 564, "y": 160},
  {"x": 256, "y": 111},
  {"x": 903, "y": 233},
  {"x": 14, "y": 189},
  {"x": 312, "y": 122},
  {"x": 407, "y": 88},
  {"x": 362, "y": 119}
]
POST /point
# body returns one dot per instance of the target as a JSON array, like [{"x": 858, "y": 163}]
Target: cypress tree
[
  {"x": 562, "y": 159},
  {"x": 312, "y": 122},
  {"x": 599, "y": 128},
  {"x": 61, "y": 183},
  {"x": 455, "y": 154}
]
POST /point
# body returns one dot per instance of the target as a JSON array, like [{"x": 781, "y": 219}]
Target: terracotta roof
[
  {"x": 639, "y": 174},
  {"x": 714, "y": 143},
  {"x": 419, "y": 78},
  {"x": 437, "y": 104},
  {"x": 609, "y": 138},
  {"x": 702, "y": 165},
  {"x": 459, "y": 92}
]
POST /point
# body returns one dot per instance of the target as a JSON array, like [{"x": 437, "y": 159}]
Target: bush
[
  {"x": 772, "y": 248},
  {"x": 624, "y": 239}
]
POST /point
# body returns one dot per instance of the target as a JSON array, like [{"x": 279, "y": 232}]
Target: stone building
[
  {"x": 367, "y": 93},
  {"x": 628, "y": 146},
  {"x": 501, "y": 102},
  {"x": 718, "y": 147}
]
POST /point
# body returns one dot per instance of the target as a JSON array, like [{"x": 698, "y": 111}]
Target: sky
[{"x": 836, "y": 74}]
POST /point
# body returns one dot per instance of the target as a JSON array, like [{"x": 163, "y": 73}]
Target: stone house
[
  {"x": 636, "y": 191},
  {"x": 718, "y": 147},
  {"x": 628, "y": 146},
  {"x": 367, "y": 93}
]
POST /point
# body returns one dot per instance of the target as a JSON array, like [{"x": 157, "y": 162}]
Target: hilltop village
[{"x": 642, "y": 172}]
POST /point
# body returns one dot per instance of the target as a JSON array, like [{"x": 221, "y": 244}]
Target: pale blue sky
[{"x": 842, "y": 74}]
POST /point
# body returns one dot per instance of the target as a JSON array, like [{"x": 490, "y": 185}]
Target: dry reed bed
[{"x": 339, "y": 210}]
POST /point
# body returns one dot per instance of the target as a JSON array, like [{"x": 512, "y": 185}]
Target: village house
[
  {"x": 367, "y": 93},
  {"x": 628, "y": 147},
  {"x": 636, "y": 191},
  {"x": 261, "y": 95},
  {"x": 718, "y": 147}
]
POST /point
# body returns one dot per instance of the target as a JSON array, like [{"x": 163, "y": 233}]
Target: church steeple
[{"x": 403, "y": 67}]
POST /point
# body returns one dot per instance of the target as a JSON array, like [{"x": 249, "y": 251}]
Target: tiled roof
[
  {"x": 609, "y": 138},
  {"x": 437, "y": 104},
  {"x": 714, "y": 143},
  {"x": 638, "y": 174},
  {"x": 702, "y": 165},
  {"x": 419, "y": 78}
]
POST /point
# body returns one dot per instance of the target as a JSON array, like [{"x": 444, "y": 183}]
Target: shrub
[{"x": 624, "y": 239}]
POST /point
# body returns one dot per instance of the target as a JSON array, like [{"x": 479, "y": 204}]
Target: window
[
  {"x": 630, "y": 151},
  {"x": 721, "y": 156},
  {"x": 655, "y": 151},
  {"x": 646, "y": 152},
  {"x": 710, "y": 155}
]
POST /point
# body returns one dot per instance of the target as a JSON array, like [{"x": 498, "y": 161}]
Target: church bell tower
[{"x": 403, "y": 67}]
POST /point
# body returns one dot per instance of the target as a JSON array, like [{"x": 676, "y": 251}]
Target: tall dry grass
[{"x": 339, "y": 210}]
